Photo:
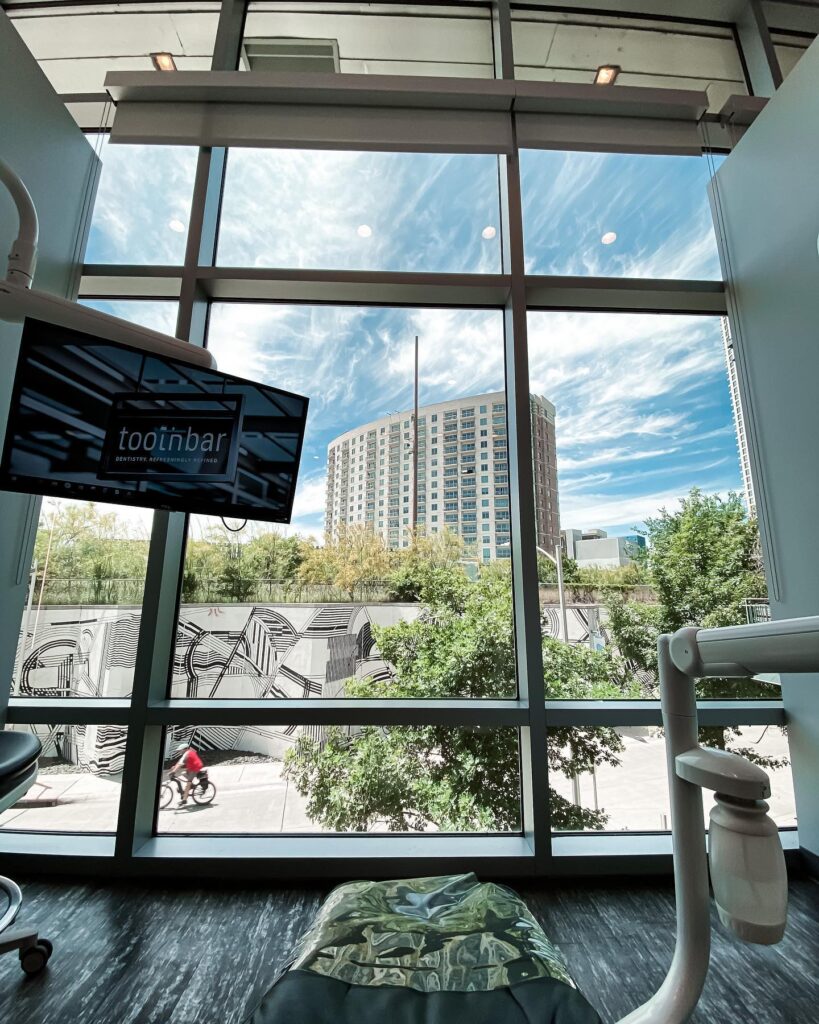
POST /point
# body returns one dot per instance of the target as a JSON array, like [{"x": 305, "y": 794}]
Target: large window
[
  {"x": 656, "y": 510},
  {"x": 286, "y": 779},
  {"x": 143, "y": 204},
  {"x": 361, "y": 211},
  {"x": 555, "y": 46},
  {"x": 385, "y": 556},
  {"x": 402, "y": 672},
  {"x": 79, "y": 631},
  {"x": 617, "y": 215},
  {"x": 78, "y": 781},
  {"x": 371, "y": 39},
  {"x": 78, "y": 45}
]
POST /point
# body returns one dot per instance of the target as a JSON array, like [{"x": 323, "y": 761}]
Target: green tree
[
  {"x": 547, "y": 570},
  {"x": 426, "y": 555},
  {"x": 702, "y": 562},
  {"x": 272, "y": 556},
  {"x": 85, "y": 554},
  {"x": 354, "y": 559},
  {"x": 460, "y": 646}
]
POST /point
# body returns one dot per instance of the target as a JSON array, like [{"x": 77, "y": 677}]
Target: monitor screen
[{"x": 102, "y": 421}]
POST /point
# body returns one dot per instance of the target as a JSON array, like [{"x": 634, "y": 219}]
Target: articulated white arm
[
  {"x": 19, "y": 300},
  {"x": 747, "y": 863},
  {"x": 23, "y": 255}
]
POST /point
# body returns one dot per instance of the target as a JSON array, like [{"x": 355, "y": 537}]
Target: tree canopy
[
  {"x": 461, "y": 646},
  {"x": 702, "y": 561}
]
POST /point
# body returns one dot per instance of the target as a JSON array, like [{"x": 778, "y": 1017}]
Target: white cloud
[
  {"x": 310, "y": 495},
  {"x": 600, "y": 510}
]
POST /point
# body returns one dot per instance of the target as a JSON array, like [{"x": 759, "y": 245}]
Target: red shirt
[{"x": 192, "y": 761}]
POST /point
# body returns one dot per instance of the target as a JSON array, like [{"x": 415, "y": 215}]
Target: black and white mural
[
  {"x": 228, "y": 651},
  {"x": 232, "y": 651}
]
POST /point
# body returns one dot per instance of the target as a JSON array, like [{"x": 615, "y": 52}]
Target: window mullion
[
  {"x": 534, "y": 773},
  {"x": 157, "y": 633}
]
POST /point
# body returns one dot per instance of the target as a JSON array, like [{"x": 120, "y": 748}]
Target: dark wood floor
[{"x": 134, "y": 954}]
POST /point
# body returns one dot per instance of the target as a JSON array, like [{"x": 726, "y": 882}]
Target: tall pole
[
  {"x": 414, "y": 516},
  {"x": 560, "y": 590}
]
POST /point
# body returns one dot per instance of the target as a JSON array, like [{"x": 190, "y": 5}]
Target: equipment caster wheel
[{"x": 34, "y": 959}]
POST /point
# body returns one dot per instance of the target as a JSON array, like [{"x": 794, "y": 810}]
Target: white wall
[
  {"x": 767, "y": 196},
  {"x": 40, "y": 140}
]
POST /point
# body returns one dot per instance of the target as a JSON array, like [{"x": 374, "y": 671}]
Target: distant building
[
  {"x": 594, "y": 549},
  {"x": 463, "y": 475},
  {"x": 739, "y": 419}
]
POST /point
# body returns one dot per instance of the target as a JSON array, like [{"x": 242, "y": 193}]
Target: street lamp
[{"x": 557, "y": 560}]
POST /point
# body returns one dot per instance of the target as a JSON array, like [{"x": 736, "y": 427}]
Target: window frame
[{"x": 136, "y": 849}]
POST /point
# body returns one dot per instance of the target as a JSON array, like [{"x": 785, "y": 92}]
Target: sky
[{"x": 643, "y": 408}]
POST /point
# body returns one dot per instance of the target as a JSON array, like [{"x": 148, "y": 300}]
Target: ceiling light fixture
[
  {"x": 364, "y": 231},
  {"x": 488, "y": 232},
  {"x": 609, "y": 237},
  {"x": 163, "y": 61},
  {"x": 607, "y": 74}
]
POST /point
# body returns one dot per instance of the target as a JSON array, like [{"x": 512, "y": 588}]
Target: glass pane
[
  {"x": 656, "y": 508},
  {"x": 157, "y": 315},
  {"x": 77, "y": 46},
  {"x": 789, "y": 47},
  {"x": 551, "y": 46},
  {"x": 382, "y": 39},
  {"x": 79, "y": 631},
  {"x": 143, "y": 203},
  {"x": 621, "y": 784},
  {"x": 355, "y": 211},
  {"x": 78, "y": 781},
  {"x": 296, "y": 779},
  {"x": 617, "y": 215},
  {"x": 332, "y": 605}
]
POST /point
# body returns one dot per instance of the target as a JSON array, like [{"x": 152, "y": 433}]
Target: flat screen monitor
[{"x": 102, "y": 421}]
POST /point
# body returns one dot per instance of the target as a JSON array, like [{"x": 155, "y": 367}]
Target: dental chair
[{"x": 19, "y": 752}]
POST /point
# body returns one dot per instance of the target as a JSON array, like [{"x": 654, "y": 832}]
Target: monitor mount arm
[{"x": 746, "y": 859}]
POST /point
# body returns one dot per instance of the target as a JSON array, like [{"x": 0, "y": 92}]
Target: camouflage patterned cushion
[{"x": 424, "y": 946}]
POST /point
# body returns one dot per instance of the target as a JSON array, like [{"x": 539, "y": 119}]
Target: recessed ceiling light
[
  {"x": 607, "y": 74},
  {"x": 364, "y": 231},
  {"x": 163, "y": 61},
  {"x": 488, "y": 232},
  {"x": 176, "y": 225},
  {"x": 609, "y": 237}
]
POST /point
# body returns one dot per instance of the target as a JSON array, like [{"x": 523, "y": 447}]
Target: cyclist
[{"x": 188, "y": 763}]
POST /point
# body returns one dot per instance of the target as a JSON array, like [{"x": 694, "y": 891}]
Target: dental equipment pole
[{"x": 747, "y": 863}]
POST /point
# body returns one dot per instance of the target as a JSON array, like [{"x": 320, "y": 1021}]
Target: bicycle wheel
[
  {"x": 165, "y": 795},
  {"x": 203, "y": 796}
]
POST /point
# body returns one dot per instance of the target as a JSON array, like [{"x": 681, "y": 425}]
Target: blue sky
[{"x": 643, "y": 410}]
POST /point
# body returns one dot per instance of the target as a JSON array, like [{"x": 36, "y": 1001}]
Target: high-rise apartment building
[
  {"x": 739, "y": 419},
  {"x": 463, "y": 475}
]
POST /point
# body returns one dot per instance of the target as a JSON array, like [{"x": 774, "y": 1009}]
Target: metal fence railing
[
  {"x": 757, "y": 609},
  {"x": 89, "y": 591}
]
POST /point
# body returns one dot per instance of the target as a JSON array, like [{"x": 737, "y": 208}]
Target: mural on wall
[
  {"x": 225, "y": 651},
  {"x": 228, "y": 651}
]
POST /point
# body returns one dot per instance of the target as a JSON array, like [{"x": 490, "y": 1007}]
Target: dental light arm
[
  {"x": 23, "y": 255},
  {"x": 747, "y": 864},
  {"x": 19, "y": 300}
]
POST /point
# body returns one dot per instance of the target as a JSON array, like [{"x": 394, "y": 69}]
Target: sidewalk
[{"x": 254, "y": 798}]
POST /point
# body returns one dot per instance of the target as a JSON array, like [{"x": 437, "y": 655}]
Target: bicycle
[{"x": 203, "y": 790}]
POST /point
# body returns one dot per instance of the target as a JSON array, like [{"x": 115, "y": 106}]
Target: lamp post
[{"x": 557, "y": 560}]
